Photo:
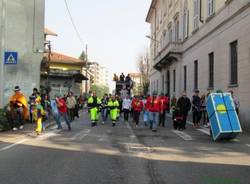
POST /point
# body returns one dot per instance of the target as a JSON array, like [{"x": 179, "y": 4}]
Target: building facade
[
  {"x": 201, "y": 44},
  {"x": 64, "y": 74},
  {"x": 21, "y": 32},
  {"x": 137, "y": 83},
  {"x": 100, "y": 74}
]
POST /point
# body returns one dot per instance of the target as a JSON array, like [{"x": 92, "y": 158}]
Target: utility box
[{"x": 222, "y": 115}]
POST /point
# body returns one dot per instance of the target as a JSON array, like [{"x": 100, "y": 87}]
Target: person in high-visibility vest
[
  {"x": 94, "y": 103},
  {"x": 113, "y": 105}
]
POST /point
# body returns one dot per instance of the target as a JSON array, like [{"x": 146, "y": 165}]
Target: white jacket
[{"x": 126, "y": 104}]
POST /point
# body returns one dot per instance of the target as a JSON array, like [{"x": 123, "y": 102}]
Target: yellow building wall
[{"x": 64, "y": 67}]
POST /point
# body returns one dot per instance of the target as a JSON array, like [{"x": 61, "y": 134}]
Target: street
[{"x": 123, "y": 154}]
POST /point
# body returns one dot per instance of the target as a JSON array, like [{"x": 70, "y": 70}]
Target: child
[
  {"x": 177, "y": 118},
  {"x": 39, "y": 113}
]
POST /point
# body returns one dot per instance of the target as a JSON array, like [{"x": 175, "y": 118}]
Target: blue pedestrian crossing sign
[{"x": 10, "y": 58}]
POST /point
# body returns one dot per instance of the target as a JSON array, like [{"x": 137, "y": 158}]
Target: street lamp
[{"x": 149, "y": 37}]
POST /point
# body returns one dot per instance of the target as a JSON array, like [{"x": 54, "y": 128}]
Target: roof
[
  {"x": 49, "y": 32},
  {"x": 152, "y": 7},
  {"x": 62, "y": 58}
]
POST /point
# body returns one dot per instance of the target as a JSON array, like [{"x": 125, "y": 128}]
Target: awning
[{"x": 79, "y": 77}]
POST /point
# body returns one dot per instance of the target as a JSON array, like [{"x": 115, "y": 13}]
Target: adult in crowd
[
  {"x": 236, "y": 102},
  {"x": 145, "y": 111},
  {"x": 184, "y": 106},
  {"x": 122, "y": 77},
  {"x": 137, "y": 106},
  {"x": 32, "y": 98},
  {"x": 126, "y": 106},
  {"x": 71, "y": 104},
  {"x": 55, "y": 113},
  {"x": 113, "y": 106},
  {"x": 163, "y": 104},
  {"x": 203, "y": 110},
  {"x": 19, "y": 105},
  {"x": 104, "y": 108},
  {"x": 196, "y": 108},
  {"x": 94, "y": 104},
  {"x": 153, "y": 108},
  {"x": 62, "y": 107}
]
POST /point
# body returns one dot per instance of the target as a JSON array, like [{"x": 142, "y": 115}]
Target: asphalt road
[{"x": 122, "y": 155}]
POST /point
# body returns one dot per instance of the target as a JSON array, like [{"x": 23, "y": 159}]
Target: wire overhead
[{"x": 73, "y": 23}]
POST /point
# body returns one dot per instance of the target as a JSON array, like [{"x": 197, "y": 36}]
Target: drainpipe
[{"x": 2, "y": 49}]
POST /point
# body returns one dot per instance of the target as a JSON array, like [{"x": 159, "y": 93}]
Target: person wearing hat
[
  {"x": 19, "y": 104},
  {"x": 196, "y": 108},
  {"x": 153, "y": 109},
  {"x": 33, "y": 97}
]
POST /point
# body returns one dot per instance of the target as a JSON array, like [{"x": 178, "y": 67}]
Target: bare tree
[{"x": 144, "y": 68}]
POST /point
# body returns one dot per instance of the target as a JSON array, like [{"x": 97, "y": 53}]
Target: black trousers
[
  {"x": 196, "y": 116},
  {"x": 136, "y": 117},
  {"x": 126, "y": 114},
  {"x": 162, "y": 117},
  {"x": 184, "y": 121},
  {"x": 71, "y": 113}
]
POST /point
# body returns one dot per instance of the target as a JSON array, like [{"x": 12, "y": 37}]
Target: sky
[{"x": 114, "y": 30}]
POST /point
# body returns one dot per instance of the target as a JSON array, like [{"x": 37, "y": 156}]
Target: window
[
  {"x": 157, "y": 85},
  {"x": 170, "y": 3},
  {"x": 170, "y": 33},
  {"x": 168, "y": 82},
  {"x": 211, "y": 70},
  {"x": 196, "y": 13},
  {"x": 210, "y": 7},
  {"x": 177, "y": 24},
  {"x": 162, "y": 82},
  {"x": 185, "y": 23},
  {"x": 185, "y": 78},
  {"x": 234, "y": 63},
  {"x": 196, "y": 74},
  {"x": 174, "y": 80}
]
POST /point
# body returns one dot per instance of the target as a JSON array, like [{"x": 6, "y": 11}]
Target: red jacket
[
  {"x": 163, "y": 103},
  {"x": 137, "y": 105},
  {"x": 62, "y": 107},
  {"x": 153, "y": 104}
]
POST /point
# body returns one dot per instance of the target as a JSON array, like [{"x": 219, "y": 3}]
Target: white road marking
[
  {"x": 49, "y": 134},
  {"x": 248, "y": 145},
  {"x": 204, "y": 130},
  {"x": 183, "y": 135},
  {"x": 81, "y": 135},
  {"x": 12, "y": 145}
]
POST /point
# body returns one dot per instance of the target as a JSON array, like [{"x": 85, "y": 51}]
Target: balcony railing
[{"x": 171, "y": 47}]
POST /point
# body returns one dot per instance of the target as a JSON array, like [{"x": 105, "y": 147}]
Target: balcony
[{"x": 168, "y": 54}]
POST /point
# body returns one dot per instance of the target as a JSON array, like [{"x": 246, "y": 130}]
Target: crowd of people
[
  {"x": 40, "y": 108},
  {"x": 153, "y": 109}
]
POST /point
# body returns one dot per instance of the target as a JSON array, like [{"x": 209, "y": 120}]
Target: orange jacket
[{"x": 21, "y": 101}]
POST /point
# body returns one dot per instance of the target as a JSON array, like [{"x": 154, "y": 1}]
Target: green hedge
[{"x": 4, "y": 124}]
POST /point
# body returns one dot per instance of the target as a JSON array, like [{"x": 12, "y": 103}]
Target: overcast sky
[{"x": 114, "y": 30}]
